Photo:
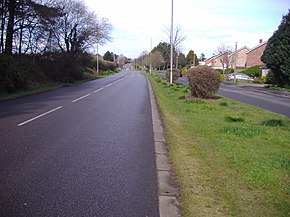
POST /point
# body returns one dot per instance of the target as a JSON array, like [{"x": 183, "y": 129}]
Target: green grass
[
  {"x": 41, "y": 88},
  {"x": 29, "y": 91},
  {"x": 226, "y": 160}
]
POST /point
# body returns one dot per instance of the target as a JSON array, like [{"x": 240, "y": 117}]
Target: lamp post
[
  {"x": 171, "y": 42},
  {"x": 150, "y": 56},
  {"x": 97, "y": 58},
  {"x": 235, "y": 63}
]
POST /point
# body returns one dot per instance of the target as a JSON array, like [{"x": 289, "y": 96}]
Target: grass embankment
[
  {"x": 229, "y": 158},
  {"x": 41, "y": 88}
]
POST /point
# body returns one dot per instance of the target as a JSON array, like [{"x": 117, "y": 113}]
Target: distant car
[{"x": 240, "y": 76}]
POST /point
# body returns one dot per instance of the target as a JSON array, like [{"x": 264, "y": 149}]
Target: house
[
  {"x": 241, "y": 58},
  {"x": 218, "y": 61},
  {"x": 254, "y": 55}
]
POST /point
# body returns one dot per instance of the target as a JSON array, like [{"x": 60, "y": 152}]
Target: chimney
[{"x": 260, "y": 41}]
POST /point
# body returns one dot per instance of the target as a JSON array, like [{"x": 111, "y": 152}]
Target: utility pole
[
  {"x": 235, "y": 63},
  {"x": 97, "y": 58},
  {"x": 150, "y": 56},
  {"x": 171, "y": 42}
]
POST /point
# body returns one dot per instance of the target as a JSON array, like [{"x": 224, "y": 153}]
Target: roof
[
  {"x": 259, "y": 45},
  {"x": 245, "y": 47},
  {"x": 217, "y": 56}
]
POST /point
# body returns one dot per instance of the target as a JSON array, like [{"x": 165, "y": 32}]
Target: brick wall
[{"x": 254, "y": 56}]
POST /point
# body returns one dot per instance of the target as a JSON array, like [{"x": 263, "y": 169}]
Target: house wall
[
  {"x": 216, "y": 62},
  {"x": 241, "y": 59},
  {"x": 254, "y": 56}
]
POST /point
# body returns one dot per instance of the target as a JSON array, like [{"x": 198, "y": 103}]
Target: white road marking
[
  {"x": 98, "y": 90},
  {"x": 39, "y": 116},
  {"x": 80, "y": 98},
  {"x": 53, "y": 110}
]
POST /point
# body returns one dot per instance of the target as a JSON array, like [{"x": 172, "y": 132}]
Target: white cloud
[{"x": 206, "y": 24}]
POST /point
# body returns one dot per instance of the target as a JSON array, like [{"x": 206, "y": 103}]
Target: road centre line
[
  {"x": 39, "y": 116},
  {"x": 80, "y": 98},
  {"x": 98, "y": 90},
  {"x": 55, "y": 109},
  {"x": 108, "y": 85}
]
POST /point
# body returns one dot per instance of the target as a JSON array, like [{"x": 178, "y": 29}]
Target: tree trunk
[
  {"x": 3, "y": 22},
  {"x": 10, "y": 26}
]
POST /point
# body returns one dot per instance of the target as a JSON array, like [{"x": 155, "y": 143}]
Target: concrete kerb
[{"x": 168, "y": 204}]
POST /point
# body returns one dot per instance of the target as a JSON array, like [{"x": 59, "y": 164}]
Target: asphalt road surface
[
  {"x": 275, "y": 101},
  {"x": 84, "y": 150}
]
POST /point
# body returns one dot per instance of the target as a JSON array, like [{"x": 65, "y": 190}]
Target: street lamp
[
  {"x": 235, "y": 63},
  {"x": 171, "y": 42},
  {"x": 97, "y": 58}
]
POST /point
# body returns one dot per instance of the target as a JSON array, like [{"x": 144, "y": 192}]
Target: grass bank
[
  {"x": 41, "y": 88},
  {"x": 229, "y": 158}
]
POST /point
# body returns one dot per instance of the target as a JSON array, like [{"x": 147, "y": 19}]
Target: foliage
[
  {"x": 203, "y": 81},
  {"x": 191, "y": 58},
  {"x": 107, "y": 65},
  {"x": 109, "y": 56},
  {"x": 17, "y": 73},
  {"x": 164, "y": 49},
  {"x": 175, "y": 74},
  {"x": 270, "y": 78},
  {"x": 276, "y": 55},
  {"x": 253, "y": 71},
  {"x": 47, "y": 40}
]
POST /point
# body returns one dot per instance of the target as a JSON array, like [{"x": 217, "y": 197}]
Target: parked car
[{"x": 240, "y": 76}]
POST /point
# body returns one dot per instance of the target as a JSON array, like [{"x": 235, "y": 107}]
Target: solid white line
[
  {"x": 80, "y": 98},
  {"x": 39, "y": 116},
  {"x": 108, "y": 85}
]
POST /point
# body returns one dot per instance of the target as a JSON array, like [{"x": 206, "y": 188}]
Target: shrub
[
  {"x": 175, "y": 74},
  {"x": 107, "y": 65},
  {"x": 18, "y": 72},
  {"x": 253, "y": 71},
  {"x": 203, "y": 81}
]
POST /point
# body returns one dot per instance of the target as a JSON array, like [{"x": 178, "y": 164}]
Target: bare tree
[
  {"x": 80, "y": 29},
  {"x": 157, "y": 59},
  {"x": 224, "y": 52},
  {"x": 178, "y": 38}
]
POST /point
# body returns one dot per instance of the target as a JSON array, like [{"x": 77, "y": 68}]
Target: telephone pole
[
  {"x": 235, "y": 63},
  {"x": 171, "y": 43}
]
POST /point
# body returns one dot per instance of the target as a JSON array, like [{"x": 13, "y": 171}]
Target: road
[
  {"x": 85, "y": 150},
  {"x": 275, "y": 101}
]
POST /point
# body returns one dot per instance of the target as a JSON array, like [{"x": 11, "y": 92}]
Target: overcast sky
[{"x": 205, "y": 23}]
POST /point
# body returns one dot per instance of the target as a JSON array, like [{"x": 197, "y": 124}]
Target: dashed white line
[
  {"x": 80, "y": 98},
  {"x": 108, "y": 85},
  {"x": 53, "y": 110},
  {"x": 39, "y": 116},
  {"x": 98, "y": 90}
]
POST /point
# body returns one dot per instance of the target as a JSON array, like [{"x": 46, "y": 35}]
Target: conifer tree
[{"x": 277, "y": 53}]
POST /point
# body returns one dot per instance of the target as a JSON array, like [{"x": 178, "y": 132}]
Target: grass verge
[
  {"x": 225, "y": 159},
  {"x": 29, "y": 91},
  {"x": 32, "y": 90}
]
